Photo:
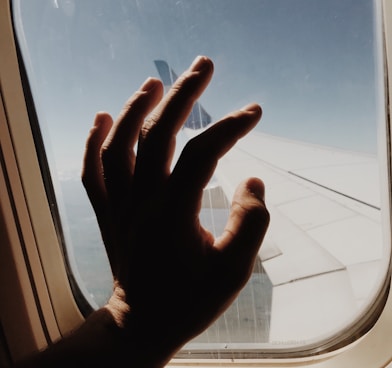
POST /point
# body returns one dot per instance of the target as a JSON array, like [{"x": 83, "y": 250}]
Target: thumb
[{"x": 245, "y": 229}]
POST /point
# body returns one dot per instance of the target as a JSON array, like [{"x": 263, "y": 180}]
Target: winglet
[
  {"x": 198, "y": 118},
  {"x": 167, "y": 75}
]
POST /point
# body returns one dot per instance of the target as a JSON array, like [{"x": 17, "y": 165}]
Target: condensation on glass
[{"x": 314, "y": 66}]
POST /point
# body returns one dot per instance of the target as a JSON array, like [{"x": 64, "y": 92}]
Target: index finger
[{"x": 200, "y": 156}]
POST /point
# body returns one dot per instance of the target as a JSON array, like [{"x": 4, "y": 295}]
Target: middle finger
[{"x": 157, "y": 139}]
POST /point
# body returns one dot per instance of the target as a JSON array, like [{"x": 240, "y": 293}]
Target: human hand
[{"x": 172, "y": 277}]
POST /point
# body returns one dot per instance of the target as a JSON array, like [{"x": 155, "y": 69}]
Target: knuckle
[
  {"x": 252, "y": 206},
  {"x": 149, "y": 124}
]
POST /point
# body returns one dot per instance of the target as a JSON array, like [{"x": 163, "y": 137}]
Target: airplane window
[{"x": 315, "y": 66}]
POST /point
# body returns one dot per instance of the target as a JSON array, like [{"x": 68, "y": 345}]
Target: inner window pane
[{"x": 316, "y": 68}]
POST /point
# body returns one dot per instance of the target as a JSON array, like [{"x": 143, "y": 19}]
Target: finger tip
[
  {"x": 151, "y": 84},
  {"x": 102, "y": 117},
  {"x": 253, "y": 108},
  {"x": 256, "y": 187},
  {"x": 201, "y": 63}
]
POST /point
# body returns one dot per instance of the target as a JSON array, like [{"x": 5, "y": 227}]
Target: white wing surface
[
  {"x": 323, "y": 250},
  {"x": 323, "y": 253}
]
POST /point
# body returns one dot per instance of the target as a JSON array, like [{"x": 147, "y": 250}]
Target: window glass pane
[{"x": 316, "y": 68}]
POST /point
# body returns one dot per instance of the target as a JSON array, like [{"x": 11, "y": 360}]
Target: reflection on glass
[{"x": 313, "y": 65}]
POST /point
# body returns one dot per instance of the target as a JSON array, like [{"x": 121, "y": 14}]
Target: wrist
[{"x": 135, "y": 339}]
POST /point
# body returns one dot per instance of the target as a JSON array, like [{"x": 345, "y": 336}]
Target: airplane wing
[
  {"x": 324, "y": 249},
  {"x": 198, "y": 118},
  {"x": 323, "y": 252}
]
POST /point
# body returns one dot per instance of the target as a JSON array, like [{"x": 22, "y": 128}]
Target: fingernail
[
  {"x": 199, "y": 64},
  {"x": 252, "y": 108},
  {"x": 148, "y": 85},
  {"x": 257, "y": 188},
  {"x": 100, "y": 118}
]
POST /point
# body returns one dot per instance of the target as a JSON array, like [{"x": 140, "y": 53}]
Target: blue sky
[{"x": 311, "y": 64}]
